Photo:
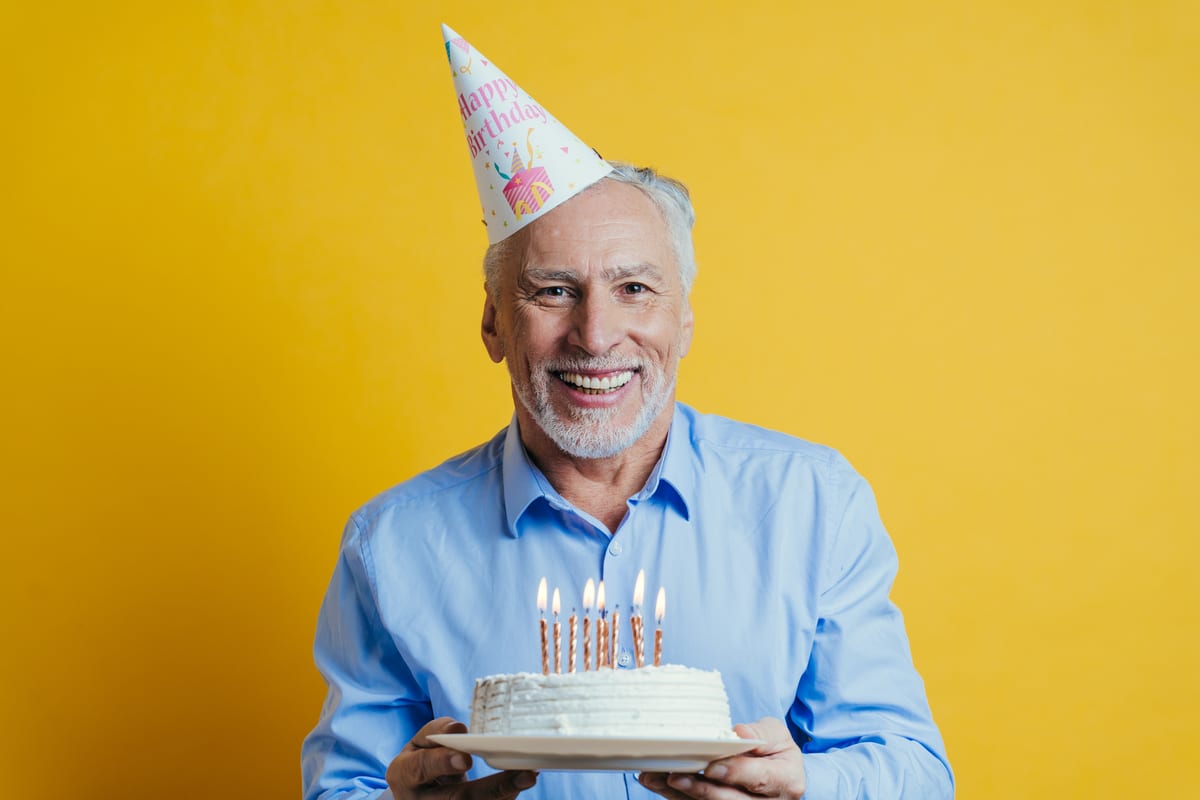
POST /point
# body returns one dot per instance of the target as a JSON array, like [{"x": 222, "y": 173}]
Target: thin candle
[
  {"x": 557, "y": 635},
  {"x": 541, "y": 604},
  {"x": 571, "y": 627},
  {"x": 589, "y": 597},
  {"x": 639, "y": 649},
  {"x": 601, "y": 629},
  {"x": 635, "y": 620},
  {"x": 616, "y": 637},
  {"x": 660, "y": 610}
]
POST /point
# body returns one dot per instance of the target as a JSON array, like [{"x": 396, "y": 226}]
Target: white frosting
[{"x": 669, "y": 702}]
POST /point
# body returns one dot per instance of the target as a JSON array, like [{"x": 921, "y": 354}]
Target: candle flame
[
  {"x": 660, "y": 605},
  {"x": 556, "y": 605},
  {"x": 541, "y": 597},
  {"x": 639, "y": 588},
  {"x": 589, "y": 595},
  {"x": 600, "y": 598}
]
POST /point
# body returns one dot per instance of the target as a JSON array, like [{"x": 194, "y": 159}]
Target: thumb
[{"x": 770, "y": 730}]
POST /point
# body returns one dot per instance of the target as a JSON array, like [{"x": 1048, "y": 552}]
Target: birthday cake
[{"x": 667, "y": 702}]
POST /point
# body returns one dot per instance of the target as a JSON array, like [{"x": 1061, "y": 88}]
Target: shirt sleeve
[
  {"x": 373, "y": 705},
  {"x": 861, "y": 705}
]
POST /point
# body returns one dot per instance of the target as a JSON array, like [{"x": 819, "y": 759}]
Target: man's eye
[
  {"x": 552, "y": 291},
  {"x": 635, "y": 288}
]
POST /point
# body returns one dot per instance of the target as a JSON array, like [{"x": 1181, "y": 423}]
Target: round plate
[{"x": 595, "y": 753}]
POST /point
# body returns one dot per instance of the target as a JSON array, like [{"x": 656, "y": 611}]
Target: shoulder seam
[{"x": 376, "y": 507}]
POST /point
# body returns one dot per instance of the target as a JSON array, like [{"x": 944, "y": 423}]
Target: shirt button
[
  {"x": 615, "y": 549},
  {"x": 625, "y": 659}
]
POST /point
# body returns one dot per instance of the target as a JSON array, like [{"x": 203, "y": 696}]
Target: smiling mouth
[{"x": 589, "y": 384}]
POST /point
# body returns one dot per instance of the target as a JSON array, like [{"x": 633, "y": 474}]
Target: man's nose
[{"x": 598, "y": 324}]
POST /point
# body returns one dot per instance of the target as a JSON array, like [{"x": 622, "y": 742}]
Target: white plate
[{"x": 592, "y": 753}]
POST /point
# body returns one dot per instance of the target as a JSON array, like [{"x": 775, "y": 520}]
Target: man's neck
[{"x": 599, "y": 486}]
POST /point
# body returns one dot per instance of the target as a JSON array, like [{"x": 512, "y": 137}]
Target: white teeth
[{"x": 605, "y": 384}]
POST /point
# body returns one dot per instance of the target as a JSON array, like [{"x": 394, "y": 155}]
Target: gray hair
[{"x": 669, "y": 195}]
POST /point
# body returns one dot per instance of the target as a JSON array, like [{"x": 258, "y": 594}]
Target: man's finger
[
  {"x": 757, "y": 776},
  {"x": 690, "y": 786},
  {"x": 501, "y": 786},
  {"x": 425, "y": 766},
  {"x": 657, "y": 783}
]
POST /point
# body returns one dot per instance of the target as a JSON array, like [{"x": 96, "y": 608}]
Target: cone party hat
[{"x": 525, "y": 161}]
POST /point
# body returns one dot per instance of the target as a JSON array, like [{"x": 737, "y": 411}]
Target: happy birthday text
[{"x": 500, "y": 99}]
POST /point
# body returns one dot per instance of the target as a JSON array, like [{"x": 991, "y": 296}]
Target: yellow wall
[{"x": 956, "y": 240}]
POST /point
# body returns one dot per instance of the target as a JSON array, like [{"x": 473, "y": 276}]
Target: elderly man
[{"x": 771, "y": 548}]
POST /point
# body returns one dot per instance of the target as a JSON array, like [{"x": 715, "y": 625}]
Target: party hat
[{"x": 526, "y": 162}]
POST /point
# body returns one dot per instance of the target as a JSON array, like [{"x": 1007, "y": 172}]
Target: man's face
[{"x": 592, "y": 320}]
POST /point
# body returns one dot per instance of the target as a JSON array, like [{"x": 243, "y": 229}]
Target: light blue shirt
[{"x": 776, "y": 568}]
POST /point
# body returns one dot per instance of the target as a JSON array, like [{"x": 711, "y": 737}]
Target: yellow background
[{"x": 956, "y": 240}]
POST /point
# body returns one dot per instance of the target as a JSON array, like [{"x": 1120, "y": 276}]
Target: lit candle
[
  {"x": 660, "y": 610},
  {"x": 571, "y": 627},
  {"x": 541, "y": 604},
  {"x": 635, "y": 620},
  {"x": 601, "y": 628},
  {"x": 616, "y": 637},
  {"x": 557, "y": 635},
  {"x": 589, "y": 597}
]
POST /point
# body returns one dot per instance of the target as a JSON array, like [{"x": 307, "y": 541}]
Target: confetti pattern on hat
[{"x": 526, "y": 162}]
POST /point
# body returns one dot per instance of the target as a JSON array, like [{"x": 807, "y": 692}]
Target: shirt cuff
[{"x": 820, "y": 777}]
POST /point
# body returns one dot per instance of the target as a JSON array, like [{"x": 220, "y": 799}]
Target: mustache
[{"x": 600, "y": 364}]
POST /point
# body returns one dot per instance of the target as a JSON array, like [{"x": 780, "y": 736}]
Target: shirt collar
[
  {"x": 673, "y": 477},
  {"x": 677, "y": 467}
]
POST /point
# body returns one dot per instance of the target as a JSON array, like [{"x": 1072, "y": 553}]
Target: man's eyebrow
[
  {"x": 612, "y": 274},
  {"x": 643, "y": 270},
  {"x": 552, "y": 275}
]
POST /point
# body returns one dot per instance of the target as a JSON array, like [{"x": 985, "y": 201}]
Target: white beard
[{"x": 591, "y": 432}]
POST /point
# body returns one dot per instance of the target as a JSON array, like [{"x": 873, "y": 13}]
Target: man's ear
[
  {"x": 688, "y": 328},
  {"x": 491, "y": 333}
]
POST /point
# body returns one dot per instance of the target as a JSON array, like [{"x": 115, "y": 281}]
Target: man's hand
[
  {"x": 427, "y": 770},
  {"x": 774, "y": 769}
]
